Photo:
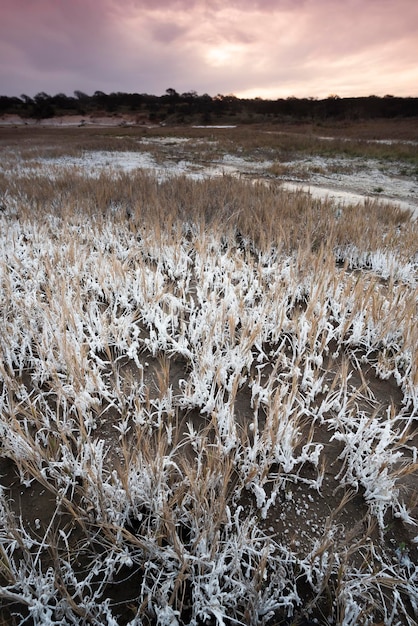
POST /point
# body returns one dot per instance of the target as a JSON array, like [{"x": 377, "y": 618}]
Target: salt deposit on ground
[
  {"x": 344, "y": 197},
  {"x": 220, "y": 126},
  {"x": 353, "y": 181},
  {"x": 93, "y": 163},
  {"x": 342, "y": 180}
]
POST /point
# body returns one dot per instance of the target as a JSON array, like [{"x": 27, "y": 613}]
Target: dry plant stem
[{"x": 181, "y": 362}]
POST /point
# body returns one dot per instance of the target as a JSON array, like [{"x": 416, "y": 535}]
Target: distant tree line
[{"x": 174, "y": 107}]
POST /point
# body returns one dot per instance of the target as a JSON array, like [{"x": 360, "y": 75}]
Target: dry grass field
[{"x": 208, "y": 382}]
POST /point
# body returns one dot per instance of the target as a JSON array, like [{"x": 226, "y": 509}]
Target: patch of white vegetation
[
  {"x": 345, "y": 181},
  {"x": 96, "y": 162},
  {"x": 80, "y": 301}
]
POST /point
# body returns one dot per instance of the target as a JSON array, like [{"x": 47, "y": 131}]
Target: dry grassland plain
[{"x": 209, "y": 377}]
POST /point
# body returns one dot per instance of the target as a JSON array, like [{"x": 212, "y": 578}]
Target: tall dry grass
[{"x": 188, "y": 370}]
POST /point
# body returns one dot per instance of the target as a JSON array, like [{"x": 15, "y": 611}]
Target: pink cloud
[{"x": 272, "y": 48}]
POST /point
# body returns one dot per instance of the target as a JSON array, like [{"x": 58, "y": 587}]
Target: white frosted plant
[
  {"x": 169, "y": 483},
  {"x": 368, "y": 457}
]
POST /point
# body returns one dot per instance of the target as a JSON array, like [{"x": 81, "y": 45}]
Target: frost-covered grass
[
  {"x": 379, "y": 162},
  {"x": 208, "y": 404}
]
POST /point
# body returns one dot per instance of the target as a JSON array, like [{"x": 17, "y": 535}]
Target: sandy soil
[{"x": 74, "y": 120}]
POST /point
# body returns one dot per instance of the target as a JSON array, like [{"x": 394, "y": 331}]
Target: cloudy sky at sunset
[{"x": 266, "y": 48}]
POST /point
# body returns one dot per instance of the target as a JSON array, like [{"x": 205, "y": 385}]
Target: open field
[
  {"x": 208, "y": 377},
  {"x": 339, "y": 160}
]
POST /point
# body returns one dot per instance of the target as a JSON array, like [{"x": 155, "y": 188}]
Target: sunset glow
[{"x": 267, "y": 48}]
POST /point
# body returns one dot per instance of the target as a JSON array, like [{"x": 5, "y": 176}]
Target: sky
[{"x": 250, "y": 48}]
